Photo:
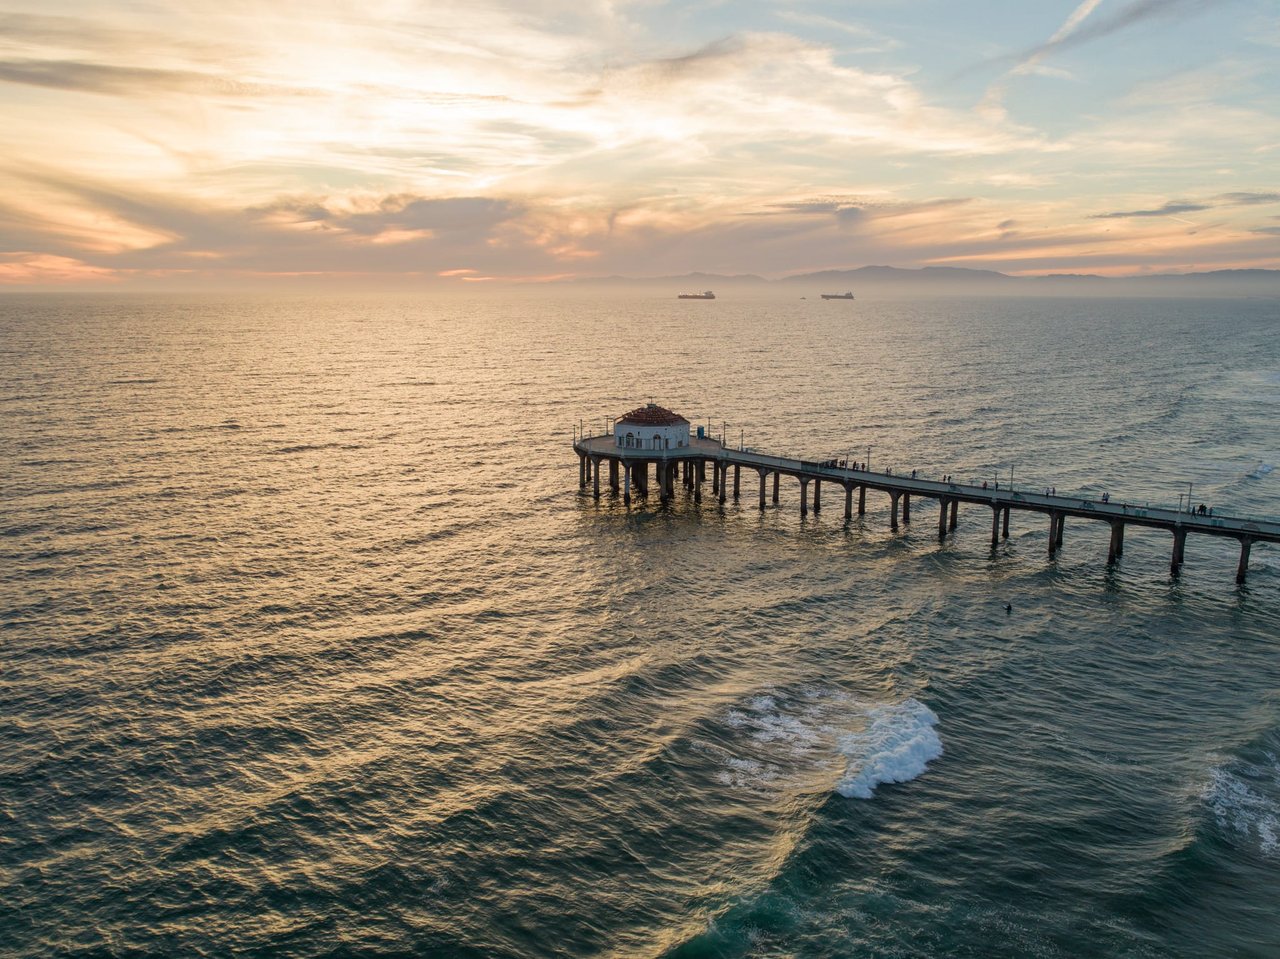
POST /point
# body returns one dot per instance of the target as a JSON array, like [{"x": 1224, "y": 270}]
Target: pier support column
[
  {"x": 804, "y": 496},
  {"x": 995, "y": 525},
  {"x": 817, "y": 496},
  {"x": 1004, "y": 532},
  {"x": 848, "y": 502},
  {"x": 1245, "y": 545},
  {"x": 775, "y": 489},
  {"x": 893, "y": 511},
  {"x": 1062, "y": 525},
  {"x": 862, "y": 501},
  {"x": 613, "y": 474},
  {"x": 702, "y": 472},
  {"x": 698, "y": 476},
  {"x": 595, "y": 461},
  {"x": 1179, "y": 546},
  {"x": 955, "y": 514},
  {"x": 1053, "y": 534},
  {"x": 737, "y": 479},
  {"x": 642, "y": 478},
  {"x": 943, "y": 505},
  {"x": 626, "y": 483},
  {"x": 724, "y": 481},
  {"x": 715, "y": 478},
  {"x": 763, "y": 474},
  {"x": 1116, "y": 549},
  {"x": 582, "y": 471},
  {"x": 906, "y": 507}
]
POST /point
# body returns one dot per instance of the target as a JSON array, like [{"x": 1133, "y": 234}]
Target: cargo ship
[
  {"x": 837, "y": 296},
  {"x": 707, "y": 295}
]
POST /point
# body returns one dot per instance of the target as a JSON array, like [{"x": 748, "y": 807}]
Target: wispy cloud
[
  {"x": 1168, "y": 209},
  {"x": 1173, "y": 208},
  {"x": 1080, "y": 28},
  {"x": 124, "y": 81}
]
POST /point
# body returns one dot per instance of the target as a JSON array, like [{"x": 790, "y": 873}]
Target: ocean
[{"x": 310, "y": 644}]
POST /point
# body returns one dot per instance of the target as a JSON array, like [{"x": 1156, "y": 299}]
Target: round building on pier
[{"x": 651, "y": 427}]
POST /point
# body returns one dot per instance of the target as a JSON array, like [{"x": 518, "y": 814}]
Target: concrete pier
[{"x": 629, "y": 468}]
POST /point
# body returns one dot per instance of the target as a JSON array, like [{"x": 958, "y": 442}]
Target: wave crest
[{"x": 896, "y": 747}]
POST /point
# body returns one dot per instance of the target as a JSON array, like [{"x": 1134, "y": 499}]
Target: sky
[{"x": 386, "y": 142}]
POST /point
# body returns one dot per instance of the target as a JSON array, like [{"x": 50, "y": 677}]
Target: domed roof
[{"x": 652, "y": 415}]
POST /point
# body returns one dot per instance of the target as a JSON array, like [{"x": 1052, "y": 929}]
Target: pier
[{"x": 660, "y": 445}]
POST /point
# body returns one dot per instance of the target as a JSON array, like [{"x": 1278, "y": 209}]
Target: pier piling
[
  {"x": 1179, "y": 548},
  {"x": 1245, "y": 544},
  {"x": 1116, "y": 549}
]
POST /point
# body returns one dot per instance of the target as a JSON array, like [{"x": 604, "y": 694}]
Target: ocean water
[{"x": 311, "y": 646}]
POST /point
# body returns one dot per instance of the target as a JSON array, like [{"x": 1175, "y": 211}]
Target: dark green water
[{"x": 310, "y": 646}]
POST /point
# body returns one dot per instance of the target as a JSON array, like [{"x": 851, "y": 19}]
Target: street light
[{"x": 867, "y": 465}]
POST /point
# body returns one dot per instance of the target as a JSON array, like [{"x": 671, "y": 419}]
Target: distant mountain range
[{"x": 940, "y": 280}]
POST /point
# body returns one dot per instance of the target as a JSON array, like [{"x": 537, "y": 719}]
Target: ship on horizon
[
  {"x": 705, "y": 295},
  {"x": 837, "y": 296}
]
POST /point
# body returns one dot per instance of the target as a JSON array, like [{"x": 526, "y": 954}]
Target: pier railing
[{"x": 703, "y": 451}]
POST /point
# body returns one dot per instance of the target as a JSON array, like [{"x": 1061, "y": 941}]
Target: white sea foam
[
  {"x": 1241, "y": 806},
  {"x": 825, "y": 734},
  {"x": 898, "y": 744},
  {"x": 1262, "y": 470}
]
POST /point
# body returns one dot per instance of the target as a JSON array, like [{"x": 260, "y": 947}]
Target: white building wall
[{"x": 651, "y": 437}]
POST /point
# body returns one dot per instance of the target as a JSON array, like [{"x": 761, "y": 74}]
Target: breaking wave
[
  {"x": 854, "y": 745},
  {"x": 898, "y": 744},
  {"x": 1245, "y": 801}
]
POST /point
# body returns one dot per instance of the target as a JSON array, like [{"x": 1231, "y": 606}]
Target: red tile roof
[{"x": 652, "y": 415}]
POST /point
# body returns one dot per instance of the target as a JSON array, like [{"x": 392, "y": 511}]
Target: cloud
[
  {"x": 1169, "y": 209},
  {"x": 1248, "y": 199},
  {"x": 407, "y": 213},
  {"x": 1174, "y": 208},
  {"x": 1075, "y": 32},
  {"x": 1078, "y": 29},
  {"x": 126, "y": 81}
]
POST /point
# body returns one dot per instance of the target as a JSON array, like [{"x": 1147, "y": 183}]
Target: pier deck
[{"x": 702, "y": 452}]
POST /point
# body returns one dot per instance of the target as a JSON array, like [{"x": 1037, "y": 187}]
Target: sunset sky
[{"x": 210, "y": 143}]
